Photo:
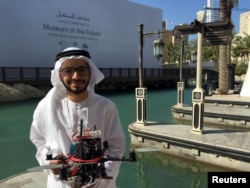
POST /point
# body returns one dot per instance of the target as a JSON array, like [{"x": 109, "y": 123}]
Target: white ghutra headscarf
[
  {"x": 71, "y": 53},
  {"x": 54, "y": 100}
]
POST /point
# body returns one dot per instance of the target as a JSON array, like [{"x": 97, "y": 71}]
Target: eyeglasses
[{"x": 69, "y": 71}]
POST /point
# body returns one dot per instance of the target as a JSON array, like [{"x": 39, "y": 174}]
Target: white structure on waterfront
[
  {"x": 244, "y": 23},
  {"x": 34, "y": 31},
  {"x": 212, "y": 13},
  {"x": 245, "y": 90}
]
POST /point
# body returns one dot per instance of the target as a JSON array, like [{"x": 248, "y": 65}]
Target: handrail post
[
  {"x": 4, "y": 74},
  {"x": 21, "y": 73},
  {"x": 37, "y": 74}
]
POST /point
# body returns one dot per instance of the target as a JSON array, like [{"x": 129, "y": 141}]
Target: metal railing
[{"x": 41, "y": 75}]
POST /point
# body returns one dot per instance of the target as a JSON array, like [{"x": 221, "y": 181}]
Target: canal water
[{"x": 152, "y": 169}]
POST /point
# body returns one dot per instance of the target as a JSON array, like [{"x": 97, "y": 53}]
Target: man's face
[{"x": 75, "y": 75}]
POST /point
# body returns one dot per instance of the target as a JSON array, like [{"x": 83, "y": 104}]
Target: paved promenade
[
  {"x": 25, "y": 180},
  {"x": 221, "y": 147},
  {"x": 225, "y": 110},
  {"x": 227, "y": 146}
]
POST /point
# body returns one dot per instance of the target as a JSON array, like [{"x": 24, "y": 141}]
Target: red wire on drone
[{"x": 95, "y": 160}]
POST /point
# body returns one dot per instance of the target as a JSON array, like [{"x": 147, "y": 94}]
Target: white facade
[
  {"x": 245, "y": 90},
  {"x": 212, "y": 13},
  {"x": 32, "y": 32},
  {"x": 244, "y": 23},
  {"x": 209, "y": 12}
]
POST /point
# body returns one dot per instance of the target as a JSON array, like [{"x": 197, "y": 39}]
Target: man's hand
[{"x": 58, "y": 160}]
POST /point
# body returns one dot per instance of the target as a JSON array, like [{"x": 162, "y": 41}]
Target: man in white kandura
[{"x": 71, "y": 100}]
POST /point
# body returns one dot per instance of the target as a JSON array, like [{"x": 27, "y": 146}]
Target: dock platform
[
  {"x": 220, "y": 147},
  {"x": 226, "y": 145},
  {"x": 25, "y": 179},
  {"x": 230, "y": 111}
]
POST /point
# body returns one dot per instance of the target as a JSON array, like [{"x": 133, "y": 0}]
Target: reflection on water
[{"x": 159, "y": 170}]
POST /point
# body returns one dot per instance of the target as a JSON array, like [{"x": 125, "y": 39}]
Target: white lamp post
[
  {"x": 181, "y": 84},
  {"x": 141, "y": 91},
  {"x": 198, "y": 96}
]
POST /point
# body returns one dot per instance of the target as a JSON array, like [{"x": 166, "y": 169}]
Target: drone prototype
[{"x": 87, "y": 163}]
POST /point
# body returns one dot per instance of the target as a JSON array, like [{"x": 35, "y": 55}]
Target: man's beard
[{"x": 78, "y": 90}]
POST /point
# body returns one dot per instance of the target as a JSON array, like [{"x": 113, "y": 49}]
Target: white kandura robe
[{"x": 54, "y": 122}]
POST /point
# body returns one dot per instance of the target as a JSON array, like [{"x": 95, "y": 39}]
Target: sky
[{"x": 177, "y": 12}]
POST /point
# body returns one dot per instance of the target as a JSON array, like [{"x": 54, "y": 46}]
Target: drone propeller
[
  {"x": 53, "y": 166},
  {"x": 146, "y": 149},
  {"x": 44, "y": 167}
]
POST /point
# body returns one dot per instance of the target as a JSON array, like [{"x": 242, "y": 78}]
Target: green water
[{"x": 151, "y": 170}]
